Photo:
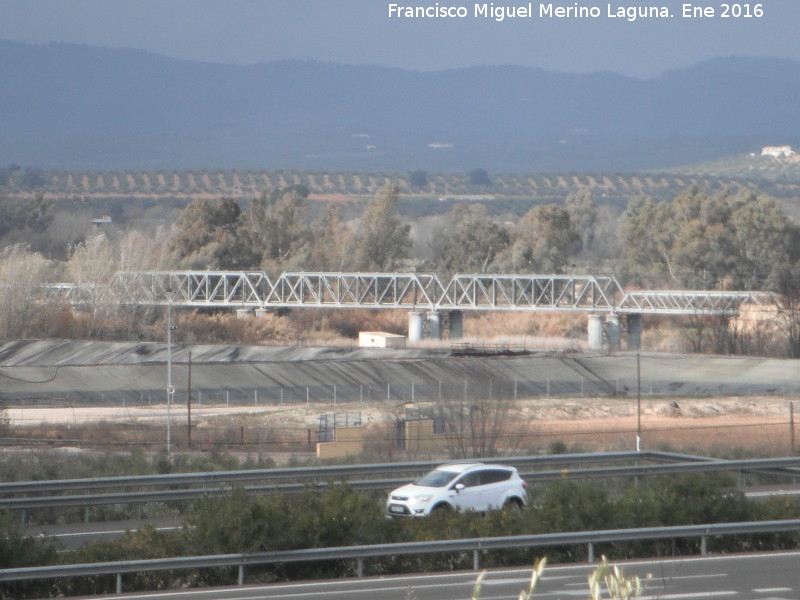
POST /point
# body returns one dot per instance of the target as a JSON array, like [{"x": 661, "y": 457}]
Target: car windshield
[{"x": 436, "y": 478}]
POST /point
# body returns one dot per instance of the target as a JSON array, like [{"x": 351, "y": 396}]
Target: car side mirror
[{"x": 458, "y": 487}]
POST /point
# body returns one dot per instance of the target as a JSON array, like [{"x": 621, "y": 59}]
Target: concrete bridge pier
[
  {"x": 634, "y": 332},
  {"x": 415, "y": 326},
  {"x": 614, "y": 332},
  {"x": 595, "y": 332},
  {"x": 456, "y": 324},
  {"x": 435, "y": 325}
]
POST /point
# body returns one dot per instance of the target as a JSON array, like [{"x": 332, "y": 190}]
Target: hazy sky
[{"x": 362, "y": 32}]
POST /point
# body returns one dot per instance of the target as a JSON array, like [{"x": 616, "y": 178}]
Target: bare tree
[
  {"x": 481, "y": 427},
  {"x": 92, "y": 266},
  {"x": 22, "y": 274}
]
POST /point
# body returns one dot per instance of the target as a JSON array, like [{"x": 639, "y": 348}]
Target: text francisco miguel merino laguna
[{"x": 490, "y": 10}]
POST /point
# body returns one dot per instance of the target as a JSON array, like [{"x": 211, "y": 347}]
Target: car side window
[
  {"x": 494, "y": 476},
  {"x": 471, "y": 479}
]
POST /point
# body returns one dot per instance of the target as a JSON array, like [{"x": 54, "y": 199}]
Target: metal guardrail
[
  {"x": 325, "y": 472},
  {"x": 217, "y": 484},
  {"x": 360, "y": 553},
  {"x": 285, "y": 480}
]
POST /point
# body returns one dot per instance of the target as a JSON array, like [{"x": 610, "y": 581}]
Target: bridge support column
[
  {"x": 595, "y": 332},
  {"x": 456, "y": 324},
  {"x": 244, "y": 313},
  {"x": 415, "y": 329},
  {"x": 435, "y": 325},
  {"x": 614, "y": 332},
  {"x": 634, "y": 332}
]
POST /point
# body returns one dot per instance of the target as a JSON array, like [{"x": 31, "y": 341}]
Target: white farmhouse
[{"x": 778, "y": 151}]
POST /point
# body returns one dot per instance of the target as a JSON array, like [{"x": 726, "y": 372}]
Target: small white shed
[{"x": 379, "y": 339}]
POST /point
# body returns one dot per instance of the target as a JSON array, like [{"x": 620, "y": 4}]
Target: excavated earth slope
[{"x": 76, "y": 373}]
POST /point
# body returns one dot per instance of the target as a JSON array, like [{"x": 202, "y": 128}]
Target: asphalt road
[{"x": 768, "y": 576}]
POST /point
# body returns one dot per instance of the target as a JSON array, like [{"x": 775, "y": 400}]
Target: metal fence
[{"x": 405, "y": 391}]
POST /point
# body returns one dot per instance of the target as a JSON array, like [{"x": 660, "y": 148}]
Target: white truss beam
[
  {"x": 348, "y": 290},
  {"x": 682, "y": 302},
  {"x": 576, "y": 293},
  {"x": 531, "y": 292}
]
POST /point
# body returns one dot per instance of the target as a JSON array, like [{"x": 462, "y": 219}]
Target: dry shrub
[
  {"x": 349, "y": 322},
  {"x": 539, "y": 324},
  {"x": 226, "y": 328},
  {"x": 58, "y": 322}
]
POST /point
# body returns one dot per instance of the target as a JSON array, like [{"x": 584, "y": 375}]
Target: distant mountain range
[{"x": 77, "y": 107}]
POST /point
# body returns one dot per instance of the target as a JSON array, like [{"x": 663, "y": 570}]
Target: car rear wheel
[{"x": 513, "y": 504}]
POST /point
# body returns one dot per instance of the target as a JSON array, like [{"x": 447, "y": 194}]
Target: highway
[{"x": 768, "y": 576}]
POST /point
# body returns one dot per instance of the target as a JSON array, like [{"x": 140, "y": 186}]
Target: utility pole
[
  {"x": 189, "y": 405},
  {"x": 638, "y": 404},
  {"x": 170, "y": 387}
]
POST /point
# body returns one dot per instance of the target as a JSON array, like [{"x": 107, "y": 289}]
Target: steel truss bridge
[{"x": 419, "y": 291}]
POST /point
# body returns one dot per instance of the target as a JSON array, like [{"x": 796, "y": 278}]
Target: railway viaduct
[{"x": 434, "y": 306}]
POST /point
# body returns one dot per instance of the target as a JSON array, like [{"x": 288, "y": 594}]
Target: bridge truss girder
[
  {"x": 683, "y": 302},
  {"x": 193, "y": 288},
  {"x": 587, "y": 293},
  {"x": 577, "y": 293},
  {"x": 348, "y": 290}
]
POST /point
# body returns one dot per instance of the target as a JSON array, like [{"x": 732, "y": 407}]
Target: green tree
[
  {"x": 646, "y": 233},
  {"x": 331, "y": 242},
  {"x": 29, "y": 216},
  {"x": 583, "y": 216},
  {"x": 470, "y": 242},
  {"x": 708, "y": 242},
  {"x": 765, "y": 241},
  {"x": 418, "y": 179},
  {"x": 479, "y": 177},
  {"x": 205, "y": 236},
  {"x": 382, "y": 240},
  {"x": 273, "y": 233},
  {"x": 542, "y": 242}
]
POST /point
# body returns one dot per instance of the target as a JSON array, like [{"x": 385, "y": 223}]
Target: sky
[{"x": 362, "y": 32}]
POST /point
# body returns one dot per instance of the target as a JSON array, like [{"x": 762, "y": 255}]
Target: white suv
[{"x": 466, "y": 486}]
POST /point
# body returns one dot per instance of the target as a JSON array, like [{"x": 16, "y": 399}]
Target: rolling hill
[{"x": 76, "y": 107}]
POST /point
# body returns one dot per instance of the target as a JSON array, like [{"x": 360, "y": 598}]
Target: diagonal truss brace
[
  {"x": 531, "y": 292},
  {"x": 578, "y": 293},
  {"x": 193, "y": 288},
  {"x": 367, "y": 290},
  {"x": 683, "y": 302}
]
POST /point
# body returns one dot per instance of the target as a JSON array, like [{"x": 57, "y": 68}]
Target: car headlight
[{"x": 423, "y": 498}]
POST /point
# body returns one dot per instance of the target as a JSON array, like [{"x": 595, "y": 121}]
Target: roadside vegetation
[{"x": 340, "y": 516}]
